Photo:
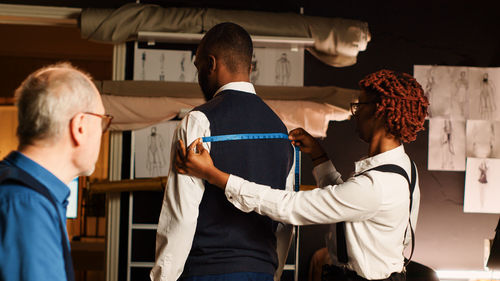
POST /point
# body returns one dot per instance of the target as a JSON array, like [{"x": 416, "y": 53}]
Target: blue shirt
[{"x": 30, "y": 234}]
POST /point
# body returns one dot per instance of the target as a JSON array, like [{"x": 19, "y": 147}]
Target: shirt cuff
[
  {"x": 233, "y": 186},
  {"x": 234, "y": 195},
  {"x": 323, "y": 169}
]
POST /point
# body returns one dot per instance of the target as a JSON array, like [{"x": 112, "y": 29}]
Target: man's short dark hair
[{"x": 231, "y": 43}]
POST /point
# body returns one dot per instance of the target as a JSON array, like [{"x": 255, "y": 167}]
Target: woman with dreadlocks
[{"x": 374, "y": 210}]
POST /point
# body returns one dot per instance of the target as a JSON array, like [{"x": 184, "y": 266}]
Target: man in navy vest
[
  {"x": 200, "y": 235},
  {"x": 61, "y": 121}
]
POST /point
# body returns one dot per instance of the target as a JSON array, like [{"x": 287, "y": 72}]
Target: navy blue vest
[{"x": 226, "y": 239}]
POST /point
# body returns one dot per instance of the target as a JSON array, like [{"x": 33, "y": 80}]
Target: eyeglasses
[
  {"x": 355, "y": 106},
  {"x": 106, "y": 120}
]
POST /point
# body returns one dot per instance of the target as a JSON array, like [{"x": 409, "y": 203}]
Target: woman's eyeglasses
[{"x": 355, "y": 106}]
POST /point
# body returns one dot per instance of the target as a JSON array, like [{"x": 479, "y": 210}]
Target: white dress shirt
[
  {"x": 375, "y": 206},
  {"x": 183, "y": 194}
]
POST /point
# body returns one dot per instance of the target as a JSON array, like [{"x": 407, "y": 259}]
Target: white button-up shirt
[
  {"x": 375, "y": 206},
  {"x": 183, "y": 194}
]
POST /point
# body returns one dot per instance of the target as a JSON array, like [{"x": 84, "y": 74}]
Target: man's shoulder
[
  {"x": 14, "y": 190},
  {"x": 17, "y": 191}
]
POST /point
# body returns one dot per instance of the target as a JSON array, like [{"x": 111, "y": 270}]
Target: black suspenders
[
  {"x": 389, "y": 168},
  {"x": 15, "y": 175}
]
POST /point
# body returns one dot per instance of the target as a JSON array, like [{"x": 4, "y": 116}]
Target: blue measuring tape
[{"x": 261, "y": 137}]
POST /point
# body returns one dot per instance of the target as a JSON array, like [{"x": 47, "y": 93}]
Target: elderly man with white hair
[{"x": 61, "y": 121}]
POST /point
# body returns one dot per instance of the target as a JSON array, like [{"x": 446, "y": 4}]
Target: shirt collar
[
  {"x": 387, "y": 157},
  {"x": 237, "y": 86},
  {"x": 57, "y": 188}
]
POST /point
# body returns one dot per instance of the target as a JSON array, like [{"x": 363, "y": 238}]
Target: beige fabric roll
[{"x": 337, "y": 41}]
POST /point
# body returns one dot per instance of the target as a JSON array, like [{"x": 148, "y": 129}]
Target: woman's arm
[{"x": 196, "y": 160}]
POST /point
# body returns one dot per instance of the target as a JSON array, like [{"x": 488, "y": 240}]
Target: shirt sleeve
[
  {"x": 356, "y": 199},
  {"x": 325, "y": 174},
  {"x": 30, "y": 240},
  {"x": 179, "y": 212}
]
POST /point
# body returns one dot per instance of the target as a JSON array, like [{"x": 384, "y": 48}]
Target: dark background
[{"x": 404, "y": 33}]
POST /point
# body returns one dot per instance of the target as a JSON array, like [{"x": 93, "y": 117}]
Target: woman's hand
[
  {"x": 196, "y": 161},
  {"x": 308, "y": 144}
]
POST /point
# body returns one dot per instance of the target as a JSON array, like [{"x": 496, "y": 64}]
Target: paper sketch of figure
[
  {"x": 483, "y": 180},
  {"x": 181, "y": 76},
  {"x": 143, "y": 70},
  {"x": 459, "y": 99},
  {"x": 283, "y": 70},
  {"x": 195, "y": 76},
  {"x": 486, "y": 98},
  {"x": 447, "y": 148},
  {"x": 162, "y": 70},
  {"x": 483, "y": 168},
  {"x": 430, "y": 82},
  {"x": 482, "y": 144},
  {"x": 254, "y": 75},
  {"x": 155, "y": 158}
]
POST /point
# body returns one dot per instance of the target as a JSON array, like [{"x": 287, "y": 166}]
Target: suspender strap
[
  {"x": 389, "y": 168},
  {"x": 15, "y": 175}
]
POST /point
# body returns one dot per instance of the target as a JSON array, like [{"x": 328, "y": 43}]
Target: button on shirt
[
  {"x": 375, "y": 206},
  {"x": 183, "y": 194},
  {"x": 30, "y": 234}
]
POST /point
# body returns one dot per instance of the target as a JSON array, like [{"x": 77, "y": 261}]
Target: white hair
[{"x": 47, "y": 100}]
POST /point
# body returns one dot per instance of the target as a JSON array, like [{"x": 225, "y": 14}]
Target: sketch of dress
[
  {"x": 254, "y": 75},
  {"x": 429, "y": 85},
  {"x": 155, "y": 158},
  {"x": 283, "y": 70},
  {"x": 487, "y": 98},
  {"x": 143, "y": 70},
  {"x": 195, "y": 76},
  {"x": 459, "y": 99},
  {"x": 162, "y": 64},
  {"x": 483, "y": 141},
  {"x": 483, "y": 180},
  {"x": 447, "y": 147},
  {"x": 181, "y": 76},
  {"x": 483, "y": 168}
]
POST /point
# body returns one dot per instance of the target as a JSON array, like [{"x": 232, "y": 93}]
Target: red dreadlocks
[{"x": 401, "y": 102}]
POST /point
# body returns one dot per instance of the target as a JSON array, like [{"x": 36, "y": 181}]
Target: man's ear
[
  {"x": 212, "y": 63},
  {"x": 77, "y": 128}
]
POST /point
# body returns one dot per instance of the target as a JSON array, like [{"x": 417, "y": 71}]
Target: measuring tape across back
[{"x": 261, "y": 137}]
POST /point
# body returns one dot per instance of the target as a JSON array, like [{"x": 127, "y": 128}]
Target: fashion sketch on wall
[
  {"x": 152, "y": 149},
  {"x": 164, "y": 65},
  {"x": 483, "y": 139},
  {"x": 446, "y": 145},
  {"x": 255, "y": 72},
  {"x": 447, "y": 88},
  {"x": 460, "y": 93},
  {"x": 277, "y": 67},
  {"x": 482, "y": 185},
  {"x": 437, "y": 85}
]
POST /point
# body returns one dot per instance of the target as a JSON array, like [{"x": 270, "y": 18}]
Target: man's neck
[
  {"x": 52, "y": 158},
  {"x": 226, "y": 77}
]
